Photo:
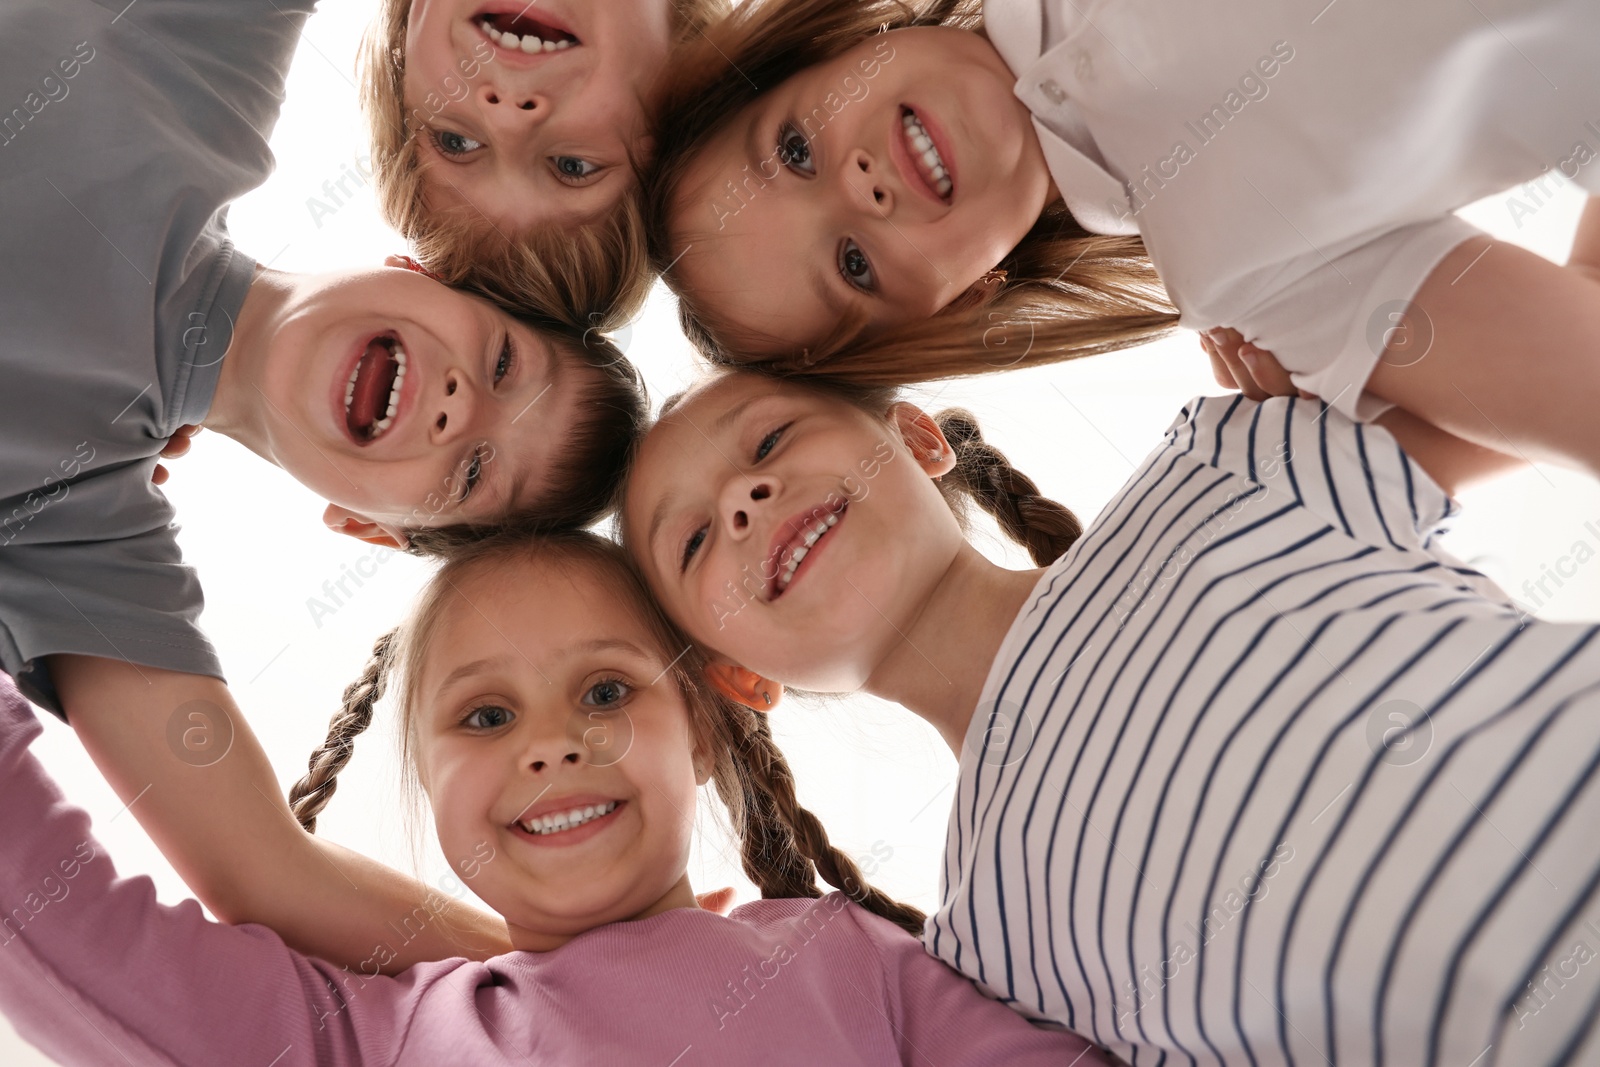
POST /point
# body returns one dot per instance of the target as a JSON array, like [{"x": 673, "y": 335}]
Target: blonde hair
[
  {"x": 1064, "y": 293},
  {"x": 783, "y": 845},
  {"x": 596, "y": 275}
]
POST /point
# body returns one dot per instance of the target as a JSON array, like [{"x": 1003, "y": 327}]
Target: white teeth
[
  {"x": 932, "y": 162},
  {"x": 813, "y": 535},
  {"x": 530, "y": 44},
  {"x": 568, "y": 820}
]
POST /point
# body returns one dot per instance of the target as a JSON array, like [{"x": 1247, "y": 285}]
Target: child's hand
[
  {"x": 177, "y": 445},
  {"x": 1253, "y": 371}
]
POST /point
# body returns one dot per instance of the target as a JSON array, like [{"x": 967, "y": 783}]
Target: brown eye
[
  {"x": 854, "y": 266},
  {"x": 794, "y": 151}
]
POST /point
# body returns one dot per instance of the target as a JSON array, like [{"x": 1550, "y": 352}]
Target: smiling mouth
[
  {"x": 925, "y": 154},
  {"x": 520, "y": 33},
  {"x": 792, "y": 553},
  {"x": 557, "y": 822},
  {"x": 372, "y": 395}
]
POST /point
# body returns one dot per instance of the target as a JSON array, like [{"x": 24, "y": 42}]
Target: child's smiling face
[
  {"x": 530, "y": 137},
  {"x": 790, "y": 532},
  {"x": 881, "y": 184},
  {"x": 542, "y": 694},
  {"x": 404, "y": 402}
]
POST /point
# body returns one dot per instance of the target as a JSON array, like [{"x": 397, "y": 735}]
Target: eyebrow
[
  {"x": 659, "y": 517},
  {"x": 467, "y": 670},
  {"x": 752, "y": 143}
]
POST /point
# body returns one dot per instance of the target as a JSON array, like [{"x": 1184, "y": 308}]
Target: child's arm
[
  {"x": 1451, "y": 462},
  {"x": 93, "y": 970},
  {"x": 226, "y": 828},
  {"x": 1514, "y": 362}
]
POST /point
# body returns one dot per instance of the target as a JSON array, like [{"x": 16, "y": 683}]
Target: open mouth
[
  {"x": 519, "y": 31},
  {"x": 925, "y": 154},
  {"x": 799, "y": 539},
  {"x": 561, "y": 821},
  {"x": 372, "y": 395}
]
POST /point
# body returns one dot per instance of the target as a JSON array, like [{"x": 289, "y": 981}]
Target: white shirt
[
  {"x": 1261, "y": 775},
  {"x": 1292, "y": 167}
]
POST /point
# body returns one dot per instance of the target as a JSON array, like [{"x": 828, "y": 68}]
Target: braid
[
  {"x": 312, "y": 793},
  {"x": 1045, "y": 528},
  {"x": 785, "y": 843}
]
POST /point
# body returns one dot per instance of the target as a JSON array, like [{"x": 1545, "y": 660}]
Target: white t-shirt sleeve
[{"x": 1327, "y": 319}]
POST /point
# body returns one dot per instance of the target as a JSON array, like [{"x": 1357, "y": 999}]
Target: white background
[{"x": 873, "y": 773}]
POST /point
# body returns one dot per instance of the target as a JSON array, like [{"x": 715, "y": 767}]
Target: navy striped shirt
[{"x": 1263, "y": 775}]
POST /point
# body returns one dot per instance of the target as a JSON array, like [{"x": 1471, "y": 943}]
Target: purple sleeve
[
  {"x": 93, "y": 970},
  {"x": 944, "y": 1021}
]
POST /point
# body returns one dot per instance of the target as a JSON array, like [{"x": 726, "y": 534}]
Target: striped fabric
[{"x": 1262, "y": 775}]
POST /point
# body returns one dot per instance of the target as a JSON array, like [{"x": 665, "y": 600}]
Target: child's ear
[
  {"x": 744, "y": 686},
  {"x": 341, "y": 520},
  {"x": 924, "y": 438}
]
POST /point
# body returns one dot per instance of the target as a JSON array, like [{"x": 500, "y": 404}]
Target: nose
[
  {"x": 869, "y": 188},
  {"x": 511, "y": 111},
  {"x": 741, "y": 498},
  {"x": 550, "y": 750},
  {"x": 454, "y": 411}
]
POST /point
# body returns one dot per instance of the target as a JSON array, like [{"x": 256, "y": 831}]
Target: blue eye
[
  {"x": 571, "y": 169},
  {"x": 454, "y": 144},
  {"x": 507, "y": 360},
  {"x": 488, "y": 716},
  {"x": 768, "y": 443},
  {"x": 794, "y": 151},
  {"x": 609, "y": 693},
  {"x": 692, "y": 546}
]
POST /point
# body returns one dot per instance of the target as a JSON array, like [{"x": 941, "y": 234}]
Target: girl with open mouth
[
  {"x": 1012, "y": 183},
  {"x": 1251, "y": 769},
  {"x": 563, "y": 767}
]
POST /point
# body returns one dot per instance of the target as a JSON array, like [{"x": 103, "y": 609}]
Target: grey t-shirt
[{"x": 125, "y": 131}]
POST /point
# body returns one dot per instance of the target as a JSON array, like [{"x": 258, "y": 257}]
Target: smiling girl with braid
[
  {"x": 1251, "y": 771},
  {"x": 562, "y": 766}
]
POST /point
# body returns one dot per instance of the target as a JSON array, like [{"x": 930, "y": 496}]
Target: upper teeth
[
  {"x": 930, "y": 158},
  {"x": 530, "y": 44},
  {"x": 813, "y": 533},
  {"x": 383, "y": 423},
  {"x": 567, "y": 820}
]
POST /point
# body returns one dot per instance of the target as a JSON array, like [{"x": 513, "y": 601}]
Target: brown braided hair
[
  {"x": 311, "y": 794},
  {"x": 1042, "y": 526},
  {"x": 783, "y": 845}
]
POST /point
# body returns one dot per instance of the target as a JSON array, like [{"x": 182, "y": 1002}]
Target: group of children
[{"x": 1172, "y": 834}]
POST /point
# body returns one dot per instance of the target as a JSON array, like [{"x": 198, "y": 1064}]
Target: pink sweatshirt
[{"x": 94, "y": 971}]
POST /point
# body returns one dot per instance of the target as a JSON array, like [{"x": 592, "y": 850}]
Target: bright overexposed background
[{"x": 877, "y": 777}]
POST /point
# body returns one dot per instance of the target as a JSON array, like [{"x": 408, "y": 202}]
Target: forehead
[{"x": 533, "y": 608}]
